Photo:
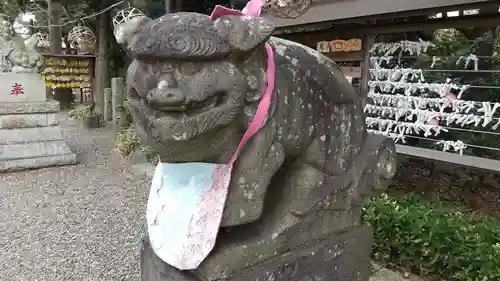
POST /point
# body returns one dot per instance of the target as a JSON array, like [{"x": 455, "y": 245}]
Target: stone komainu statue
[
  {"x": 294, "y": 204},
  {"x": 17, "y": 55}
]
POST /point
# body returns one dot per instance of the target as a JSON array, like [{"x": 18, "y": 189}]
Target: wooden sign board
[
  {"x": 352, "y": 71},
  {"x": 68, "y": 71},
  {"x": 351, "y": 45}
]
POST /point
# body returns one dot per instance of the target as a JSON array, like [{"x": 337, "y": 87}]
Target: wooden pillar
[
  {"x": 102, "y": 60},
  {"x": 368, "y": 40},
  {"x": 168, "y": 6}
]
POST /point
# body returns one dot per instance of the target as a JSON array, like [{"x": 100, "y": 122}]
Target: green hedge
[{"x": 433, "y": 239}]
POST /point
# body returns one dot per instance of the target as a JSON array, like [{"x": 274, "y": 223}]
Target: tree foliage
[{"x": 11, "y": 8}]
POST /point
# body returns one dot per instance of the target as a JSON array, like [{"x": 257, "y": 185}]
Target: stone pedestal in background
[{"x": 29, "y": 133}]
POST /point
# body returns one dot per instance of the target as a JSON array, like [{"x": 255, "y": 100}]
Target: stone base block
[
  {"x": 30, "y": 135},
  {"x": 21, "y": 87},
  {"x": 37, "y": 162},
  {"x": 7, "y": 108},
  {"x": 30, "y": 148},
  {"x": 339, "y": 257},
  {"x": 15, "y": 121},
  {"x": 34, "y": 149}
]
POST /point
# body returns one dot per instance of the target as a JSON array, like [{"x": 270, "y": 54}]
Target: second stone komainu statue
[{"x": 294, "y": 206}]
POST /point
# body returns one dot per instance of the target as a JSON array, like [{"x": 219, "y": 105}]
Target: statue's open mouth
[
  {"x": 195, "y": 107},
  {"x": 189, "y": 119}
]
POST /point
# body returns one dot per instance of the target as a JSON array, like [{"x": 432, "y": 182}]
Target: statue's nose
[{"x": 165, "y": 97}]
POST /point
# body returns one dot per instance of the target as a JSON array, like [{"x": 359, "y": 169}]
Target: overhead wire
[{"x": 93, "y": 15}]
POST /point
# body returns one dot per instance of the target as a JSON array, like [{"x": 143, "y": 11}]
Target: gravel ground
[{"x": 73, "y": 223}]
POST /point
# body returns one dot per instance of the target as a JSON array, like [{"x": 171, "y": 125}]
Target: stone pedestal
[
  {"x": 340, "y": 257},
  {"x": 29, "y": 133},
  {"x": 22, "y": 87}
]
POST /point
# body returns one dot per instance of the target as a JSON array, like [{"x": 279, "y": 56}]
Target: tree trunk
[
  {"x": 102, "y": 60},
  {"x": 55, "y": 32}
]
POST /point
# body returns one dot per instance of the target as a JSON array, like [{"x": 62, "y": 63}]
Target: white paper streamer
[
  {"x": 457, "y": 106},
  {"x": 397, "y": 74},
  {"x": 408, "y": 128},
  {"x": 396, "y": 137},
  {"x": 434, "y": 60},
  {"x": 457, "y": 146},
  {"x": 442, "y": 89},
  {"x": 412, "y": 47},
  {"x": 468, "y": 59},
  {"x": 403, "y": 108},
  {"x": 429, "y": 116}
]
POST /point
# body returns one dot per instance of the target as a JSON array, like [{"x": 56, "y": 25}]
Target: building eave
[{"x": 335, "y": 10}]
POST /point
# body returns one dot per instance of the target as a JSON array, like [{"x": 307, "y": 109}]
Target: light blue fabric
[{"x": 176, "y": 191}]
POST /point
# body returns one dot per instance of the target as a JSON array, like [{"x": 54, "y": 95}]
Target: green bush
[
  {"x": 79, "y": 112},
  {"x": 429, "y": 238},
  {"x": 150, "y": 154},
  {"x": 127, "y": 142}
]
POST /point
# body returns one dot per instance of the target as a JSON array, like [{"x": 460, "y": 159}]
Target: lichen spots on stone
[
  {"x": 180, "y": 137},
  {"x": 343, "y": 128},
  {"x": 280, "y": 49},
  {"x": 290, "y": 44},
  {"x": 309, "y": 106},
  {"x": 341, "y": 162},
  {"x": 322, "y": 138},
  {"x": 242, "y": 213},
  {"x": 249, "y": 194},
  {"x": 311, "y": 129},
  {"x": 162, "y": 84},
  {"x": 252, "y": 82}
]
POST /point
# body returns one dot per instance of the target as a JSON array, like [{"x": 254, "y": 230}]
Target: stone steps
[
  {"x": 29, "y": 148},
  {"x": 28, "y": 135},
  {"x": 29, "y": 107},
  {"x": 33, "y": 149},
  {"x": 30, "y": 120},
  {"x": 37, "y": 162}
]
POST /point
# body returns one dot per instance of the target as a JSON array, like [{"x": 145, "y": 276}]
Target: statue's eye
[{"x": 189, "y": 68}]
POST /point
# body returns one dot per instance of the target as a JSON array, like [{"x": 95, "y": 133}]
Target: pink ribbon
[{"x": 253, "y": 9}]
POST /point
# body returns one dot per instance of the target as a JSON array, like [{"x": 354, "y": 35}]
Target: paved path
[{"x": 77, "y": 222}]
